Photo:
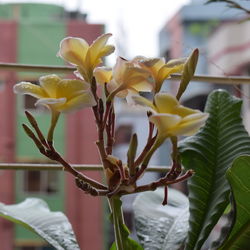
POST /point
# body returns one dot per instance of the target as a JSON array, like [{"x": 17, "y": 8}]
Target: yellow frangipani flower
[
  {"x": 159, "y": 69},
  {"x": 103, "y": 75},
  {"x": 86, "y": 57},
  {"x": 171, "y": 118},
  {"x": 57, "y": 94},
  {"x": 124, "y": 78}
]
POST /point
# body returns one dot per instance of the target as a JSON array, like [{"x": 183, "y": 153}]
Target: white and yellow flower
[
  {"x": 171, "y": 118},
  {"x": 86, "y": 57},
  {"x": 58, "y": 94},
  {"x": 125, "y": 77},
  {"x": 159, "y": 69}
]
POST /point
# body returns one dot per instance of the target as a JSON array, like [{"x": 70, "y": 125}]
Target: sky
[{"x": 135, "y": 24}]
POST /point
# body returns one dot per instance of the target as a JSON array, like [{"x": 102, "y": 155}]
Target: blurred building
[
  {"x": 222, "y": 36},
  {"x": 229, "y": 49},
  {"x": 191, "y": 27},
  {"x": 30, "y": 35}
]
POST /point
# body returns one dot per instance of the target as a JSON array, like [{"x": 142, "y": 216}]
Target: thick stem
[{"x": 118, "y": 221}]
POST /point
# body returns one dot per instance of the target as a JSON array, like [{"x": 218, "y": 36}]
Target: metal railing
[
  {"x": 81, "y": 167},
  {"x": 229, "y": 80},
  {"x": 233, "y": 80}
]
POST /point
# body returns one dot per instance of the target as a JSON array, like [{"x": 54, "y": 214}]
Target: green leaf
[
  {"x": 239, "y": 178},
  {"x": 35, "y": 215},
  {"x": 210, "y": 153},
  {"x": 161, "y": 227},
  {"x": 123, "y": 231},
  {"x": 131, "y": 244}
]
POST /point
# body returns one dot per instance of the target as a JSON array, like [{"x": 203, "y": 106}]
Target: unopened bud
[
  {"x": 188, "y": 72},
  {"x": 30, "y": 133}
]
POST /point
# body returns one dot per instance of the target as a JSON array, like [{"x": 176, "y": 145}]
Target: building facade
[
  {"x": 32, "y": 33},
  {"x": 189, "y": 28}
]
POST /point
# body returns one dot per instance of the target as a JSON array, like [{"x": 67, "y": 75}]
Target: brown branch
[
  {"x": 149, "y": 144},
  {"x": 53, "y": 155},
  {"x": 163, "y": 182}
]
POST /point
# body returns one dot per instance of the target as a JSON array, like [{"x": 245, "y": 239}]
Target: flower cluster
[
  {"x": 167, "y": 117},
  {"x": 127, "y": 79}
]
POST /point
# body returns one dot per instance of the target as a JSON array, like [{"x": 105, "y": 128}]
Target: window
[{"x": 41, "y": 181}]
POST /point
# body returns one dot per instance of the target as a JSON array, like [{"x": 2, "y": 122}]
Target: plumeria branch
[
  {"x": 163, "y": 182},
  {"x": 149, "y": 144},
  {"x": 49, "y": 151}
]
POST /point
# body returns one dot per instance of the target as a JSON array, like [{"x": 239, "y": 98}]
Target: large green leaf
[
  {"x": 210, "y": 153},
  {"x": 161, "y": 227},
  {"x": 35, "y": 215},
  {"x": 123, "y": 231},
  {"x": 239, "y": 178}
]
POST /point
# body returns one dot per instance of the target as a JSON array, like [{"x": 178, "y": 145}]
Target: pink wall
[
  {"x": 7, "y": 126},
  {"x": 84, "y": 211}
]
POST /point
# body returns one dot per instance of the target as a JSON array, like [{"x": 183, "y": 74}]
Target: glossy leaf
[
  {"x": 161, "y": 227},
  {"x": 210, "y": 153},
  {"x": 127, "y": 242},
  {"x": 239, "y": 178},
  {"x": 35, "y": 215}
]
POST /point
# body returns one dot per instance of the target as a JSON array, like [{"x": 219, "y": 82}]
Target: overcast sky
[{"x": 135, "y": 24}]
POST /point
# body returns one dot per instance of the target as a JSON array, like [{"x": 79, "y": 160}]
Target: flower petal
[
  {"x": 151, "y": 64},
  {"x": 184, "y": 111},
  {"x": 137, "y": 79},
  {"x": 102, "y": 75},
  {"x": 142, "y": 86},
  {"x": 99, "y": 44},
  {"x": 173, "y": 66},
  {"x": 165, "y": 123},
  {"x": 29, "y": 89},
  {"x": 73, "y": 50},
  {"x": 190, "y": 124},
  {"x": 107, "y": 50},
  {"x": 139, "y": 100},
  {"x": 50, "y": 101},
  {"x": 98, "y": 49},
  {"x": 119, "y": 69},
  {"x": 176, "y": 63},
  {"x": 71, "y": 88},
  {"x": 85, "y": 99},
  {"x": 51, "y": 85},
  {"x": 165, "y": 102}
]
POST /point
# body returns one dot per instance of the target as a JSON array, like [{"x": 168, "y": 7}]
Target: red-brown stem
[
  {"x": 147, "y": 147},
  {"x": 53, "y": 155},
  {"x": 110, "y": 131},
  {"x": 106, "y": 114},
  {"x": 57, "y": 157},
  {"x": 113, "y": 125},
  {"x": 149, "y": 144},
  {"x": 100, "y": 142},
  {"x": 163, "y": 182},
  {"x": 36, "y": 127},
  {"x": 121, "y": 171},
  {"x": 165, "y": 200}
]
